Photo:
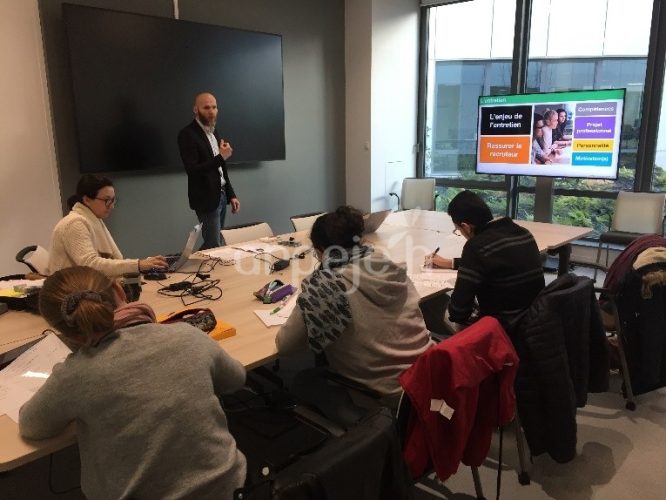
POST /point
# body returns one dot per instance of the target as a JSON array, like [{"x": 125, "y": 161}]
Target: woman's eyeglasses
[
  {"x": 456, "y": 232},
  {"x": 108, "y": 202}
]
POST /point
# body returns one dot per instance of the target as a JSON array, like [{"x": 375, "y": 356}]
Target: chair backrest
[
  {"x": 418, "y": 193},
  {"x": 365, "y": 462},
  {"x": 449, "y": 386},
  {"x": 304, "y": 222},
  {"x": 639, "y": 212},
  {"x": 36, "y": 258},
  {"x": 246, "y": 232}
]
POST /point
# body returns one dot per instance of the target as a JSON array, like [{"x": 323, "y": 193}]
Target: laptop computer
[
  {"x": 176, "y": 261},
  {"x": 374, "y": 220}
]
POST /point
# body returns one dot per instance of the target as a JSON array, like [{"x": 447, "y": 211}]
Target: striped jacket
[{"x": 501, "y": 268}]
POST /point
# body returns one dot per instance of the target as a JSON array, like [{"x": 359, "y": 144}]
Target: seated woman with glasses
[
  {"x": 361, "y": 310},
  {"x": 500, "y": 266},
  {"x": 144, "y": 396},
  {"x": 82, "y": 239}
]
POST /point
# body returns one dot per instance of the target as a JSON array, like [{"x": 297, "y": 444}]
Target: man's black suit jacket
[{"x": 203, "y": 176}]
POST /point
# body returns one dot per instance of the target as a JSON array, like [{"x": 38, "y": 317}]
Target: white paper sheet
[
  {"x": 27, "y": 373},
  {"x": 11, "y": 400},
  {"x": 271, "y": 317},
  {"x": 7, "y": 284},
  {"x": 438, "y": 281},
  {"x": 224, "y": 253},
  {"x": 258, "y": 247}
]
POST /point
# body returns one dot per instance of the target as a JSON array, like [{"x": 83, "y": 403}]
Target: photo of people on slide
[{"x": 551, "y": 136}]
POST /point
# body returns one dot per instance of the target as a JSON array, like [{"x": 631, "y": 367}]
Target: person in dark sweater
[{"x": 500, "y": 265}]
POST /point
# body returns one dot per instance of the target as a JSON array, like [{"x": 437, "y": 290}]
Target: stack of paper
[
  {"x": 27, "y": 373},
  {"x": 438, "y": 279}
]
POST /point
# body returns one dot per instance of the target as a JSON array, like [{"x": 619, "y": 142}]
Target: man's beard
[{"x": 205, "y": 121}]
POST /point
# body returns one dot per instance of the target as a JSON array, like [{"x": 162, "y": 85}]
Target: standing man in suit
[{"x": 204, "y": 155}]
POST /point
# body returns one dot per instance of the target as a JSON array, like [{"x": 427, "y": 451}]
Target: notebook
[
  {"x": 176, "y": 261},
  {"x": 374, "y": 220}
]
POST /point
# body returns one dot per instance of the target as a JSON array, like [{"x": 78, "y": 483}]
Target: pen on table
[{"x": 276, "y": 310}]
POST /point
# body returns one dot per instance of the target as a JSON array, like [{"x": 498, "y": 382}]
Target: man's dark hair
[
  {"x": 342, "y": 228},
  {"x": 88, "y": 185},
  {"x": 469, "y": 208}
]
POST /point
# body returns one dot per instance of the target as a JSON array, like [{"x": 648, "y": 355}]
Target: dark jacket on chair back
[
  {"x": 563, "y": 356},
  {"x": 643, "y": 318}
]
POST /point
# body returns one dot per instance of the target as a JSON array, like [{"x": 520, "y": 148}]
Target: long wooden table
[{"x": 406, "y": 236}]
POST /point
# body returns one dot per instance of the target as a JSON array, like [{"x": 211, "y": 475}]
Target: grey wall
[{"x": 153, "y": 215}]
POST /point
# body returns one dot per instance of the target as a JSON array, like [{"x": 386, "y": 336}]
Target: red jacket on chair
[{"x": 472, "y": 373}]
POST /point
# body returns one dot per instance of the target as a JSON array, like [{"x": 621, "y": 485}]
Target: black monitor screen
[{"x": 134, "y": 79}]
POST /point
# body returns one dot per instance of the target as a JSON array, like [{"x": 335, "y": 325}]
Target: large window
[
  {"x": 573, "y": 45},
  {"x": 659, "y": 173},
  {"x": 464, "y": 64},
  {"x": 592, "y": 50}
]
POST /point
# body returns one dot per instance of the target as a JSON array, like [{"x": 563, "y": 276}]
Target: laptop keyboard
[{"x": 172, "y": 259}]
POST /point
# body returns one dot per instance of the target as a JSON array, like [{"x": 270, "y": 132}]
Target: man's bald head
[{"x": 205, "y": 108}]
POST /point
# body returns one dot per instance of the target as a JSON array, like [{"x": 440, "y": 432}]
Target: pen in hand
[{"x": 428, "y": 259}]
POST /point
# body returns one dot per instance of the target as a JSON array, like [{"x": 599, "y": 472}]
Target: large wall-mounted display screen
[
  {"x": 557, "y": 134},
  {"x": 134, "y": 79}
]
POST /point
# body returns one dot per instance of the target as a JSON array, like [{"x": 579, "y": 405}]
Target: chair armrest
[{"x": 586, "y": 263}]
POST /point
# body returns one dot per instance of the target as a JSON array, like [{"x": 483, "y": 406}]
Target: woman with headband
[{"x": 144, "y": 396}]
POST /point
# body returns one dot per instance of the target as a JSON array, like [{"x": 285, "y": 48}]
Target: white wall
[
  {"x": 358, "y": 64},
  {"x": 29, "y": 193},
  {"x": 381, "y": 63},
  {"x": 394, "y": 91}
]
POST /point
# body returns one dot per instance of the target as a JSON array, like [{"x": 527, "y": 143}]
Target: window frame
[{"x": 650, "y": 113}]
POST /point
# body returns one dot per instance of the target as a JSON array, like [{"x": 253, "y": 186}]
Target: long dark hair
[{"x": 88, "y": 185}]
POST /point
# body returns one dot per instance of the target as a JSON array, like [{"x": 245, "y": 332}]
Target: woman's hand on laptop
[{"x": 157, "y": 262}]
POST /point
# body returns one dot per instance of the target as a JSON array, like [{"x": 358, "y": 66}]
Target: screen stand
[
  {"x": 543, "y": 212},
  {"x": 543, "y": 199}
]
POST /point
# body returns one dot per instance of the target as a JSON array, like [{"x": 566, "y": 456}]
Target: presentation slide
[{"x": 557, "y": 134}]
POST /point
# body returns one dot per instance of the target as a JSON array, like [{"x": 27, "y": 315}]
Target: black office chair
[
  {"x": 365, "y": 463},
  {"x": 35, "y": 257}
]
